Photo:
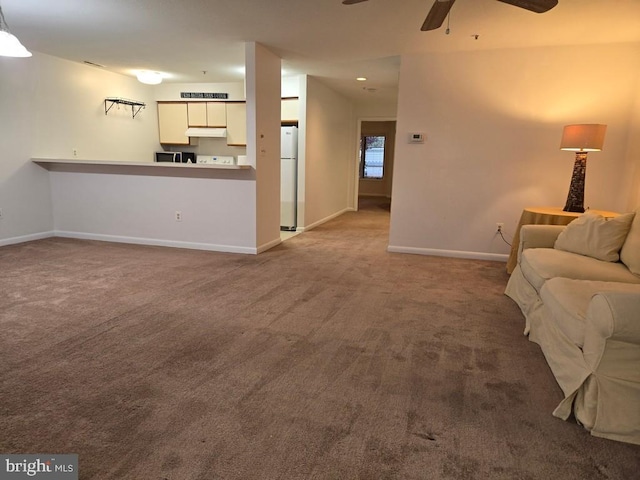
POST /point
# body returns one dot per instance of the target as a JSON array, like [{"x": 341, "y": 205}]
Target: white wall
[
  {"x": 633, "y": 154},
  {"x": 330, "y": 137},
  {"x": 263, "y": 140},
  {"x": 291, "y": 86},
  {"x": 384, "y": 109},
  {"x": 49, "y": 107},
  {"x": 70, "y": 113},
  {"x": 302, "y": 148},
  {"x": 25, "y": 197},
  {"x": 217, "y": 213},
  {"x": 493, "y": 122}
]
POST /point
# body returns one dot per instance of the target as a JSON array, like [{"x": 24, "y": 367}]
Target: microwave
[{"x": 174, "y": 157}]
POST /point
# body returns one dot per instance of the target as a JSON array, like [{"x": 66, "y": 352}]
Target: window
[{"x": 372, "y": 157}]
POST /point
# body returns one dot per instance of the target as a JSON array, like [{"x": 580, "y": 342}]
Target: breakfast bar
[
  {"x": 137, "y": 168},
  {"x": 198, "y": 206}
]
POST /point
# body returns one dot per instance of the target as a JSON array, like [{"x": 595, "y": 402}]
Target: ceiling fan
[{"x": 440, "y": 9}]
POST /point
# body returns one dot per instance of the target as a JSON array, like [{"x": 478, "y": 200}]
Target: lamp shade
[{"x": 586, "y": 137}]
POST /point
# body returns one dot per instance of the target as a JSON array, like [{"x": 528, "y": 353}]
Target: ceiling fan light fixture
[
  {"x": 361, "y": 79},
  {"x": 10, "y": 46},
  {"x": 149, "y": 78}
]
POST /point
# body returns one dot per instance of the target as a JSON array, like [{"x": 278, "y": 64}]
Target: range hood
[{"x": 206, "y": 132}]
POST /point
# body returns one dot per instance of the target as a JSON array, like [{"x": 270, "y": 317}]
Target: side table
[{"x": 545, "y": 216}]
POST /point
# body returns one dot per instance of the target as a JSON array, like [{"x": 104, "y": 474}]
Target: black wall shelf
[{"x": 135, "y": 106}]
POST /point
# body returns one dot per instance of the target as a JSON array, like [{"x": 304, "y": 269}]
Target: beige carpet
[{"x": 324, "y": 358}]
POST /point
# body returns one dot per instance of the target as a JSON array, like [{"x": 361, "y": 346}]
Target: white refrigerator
[{"x": 289, "y": 178}]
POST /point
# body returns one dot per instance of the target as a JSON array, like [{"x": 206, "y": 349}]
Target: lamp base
[{"x": 575, "y": 199}]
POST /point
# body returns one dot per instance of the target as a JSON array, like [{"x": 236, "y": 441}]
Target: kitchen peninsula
[
  {"x": 198, "y": 206},
  {"x": 134, "y": 168}
]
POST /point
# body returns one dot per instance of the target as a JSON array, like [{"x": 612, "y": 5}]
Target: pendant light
[{"x": 10, "y": 46}]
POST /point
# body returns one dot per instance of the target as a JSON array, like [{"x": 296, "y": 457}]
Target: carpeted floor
[{"x": 324, "y": 358}]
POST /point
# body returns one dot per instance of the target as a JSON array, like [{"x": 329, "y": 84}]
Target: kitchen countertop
[{"x": 142, "y": 168}]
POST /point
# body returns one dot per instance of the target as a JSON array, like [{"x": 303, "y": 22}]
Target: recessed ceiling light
[{"x": 361, "y": 79}]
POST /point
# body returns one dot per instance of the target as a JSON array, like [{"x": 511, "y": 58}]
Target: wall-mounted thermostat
[{"x": 416, "y": 138}]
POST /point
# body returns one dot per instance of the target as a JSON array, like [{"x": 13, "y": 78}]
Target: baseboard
[
  {"x": 326, "y": 219},
  {"x": 26, "y": 238},
  {"x": 496, "y": 257},
  {"x": 269, "y": 245},
  {"x": 143, "y": 241},
  {"x": 157, "y": 242}
]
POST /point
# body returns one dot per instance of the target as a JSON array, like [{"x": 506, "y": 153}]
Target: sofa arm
[
  {"x": 612, "y": 335},
  {"x": 538, "y": 236}
]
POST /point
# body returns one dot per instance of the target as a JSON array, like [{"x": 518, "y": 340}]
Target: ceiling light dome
[{"x": 150, "y": 78}]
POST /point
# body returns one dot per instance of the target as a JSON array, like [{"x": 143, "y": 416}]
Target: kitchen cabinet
[
  {"x": 289, "y": 110},
  {"x": 216, "y": 114},
  {"x": 236, "y": 123},
  {"x": 207, "y": 114},
  {"x": 173, "y": 123},
  {"x": 197, "y": 114},
  {"x": 175, "y": 117}
]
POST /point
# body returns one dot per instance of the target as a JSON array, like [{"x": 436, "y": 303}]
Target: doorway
[{"x": 376, "y": 152}]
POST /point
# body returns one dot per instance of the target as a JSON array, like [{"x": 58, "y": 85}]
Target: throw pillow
[
  {"x": 630, "y": 253},
  {"x": 595, "y": 236}
]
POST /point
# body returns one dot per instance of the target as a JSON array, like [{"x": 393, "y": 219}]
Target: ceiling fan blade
[
  {"x": 437, "y": 14},
  {"x": 538, "y": 6},
  {"x": 351, "y": 2}
]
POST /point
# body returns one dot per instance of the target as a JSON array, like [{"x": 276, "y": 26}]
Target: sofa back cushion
[
  {"x": 630, "y": 252},
  {"x": 595, "y": 236}
]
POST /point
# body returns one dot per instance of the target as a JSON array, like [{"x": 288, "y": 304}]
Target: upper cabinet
[
  {"x": 173, "y": 123},
  {"x": 289, "y": 110},
  {"x": 175, "y": 117},
  {"x": 216, "y": 114},
  {"x": 207, "y": 114},
  {"x": 237, "y": 123},
  {"x": 197, "y": 114}
]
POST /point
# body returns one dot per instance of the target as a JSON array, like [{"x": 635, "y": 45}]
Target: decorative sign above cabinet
[{"x": 207, "y": 95}]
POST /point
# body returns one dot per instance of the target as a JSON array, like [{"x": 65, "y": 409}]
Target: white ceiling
[{"x": 184, "y": 38}]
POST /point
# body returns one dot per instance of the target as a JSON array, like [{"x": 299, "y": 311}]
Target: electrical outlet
[
  {"x": 75, "y": 152},
  {"x": 178, "y": 216},
  {"x": 499, "y": 227}
]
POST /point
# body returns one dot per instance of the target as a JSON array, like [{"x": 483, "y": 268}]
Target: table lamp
[{"x": 581, "y": 139}]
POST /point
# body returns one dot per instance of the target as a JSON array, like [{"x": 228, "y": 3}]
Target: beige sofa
[{"x": 579, "y": 289}]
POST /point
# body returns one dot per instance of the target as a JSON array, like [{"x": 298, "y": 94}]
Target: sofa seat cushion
[
  {"x": 567, "y": 300},
  {"x": 540, "y": 264}
]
